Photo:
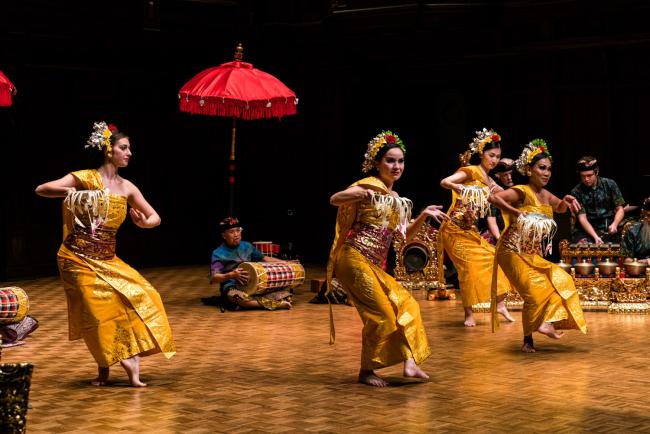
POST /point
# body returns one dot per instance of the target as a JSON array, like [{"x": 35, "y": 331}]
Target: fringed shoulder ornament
[
  {"x": 92, "y": 205},
  {"x": 386, "y": 204},
  {"x": 536, "y": 231}
]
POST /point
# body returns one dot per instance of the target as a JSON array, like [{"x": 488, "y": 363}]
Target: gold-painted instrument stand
[
  {"x": 428, "y": 277},
  {"x": 612, "y": 293}
]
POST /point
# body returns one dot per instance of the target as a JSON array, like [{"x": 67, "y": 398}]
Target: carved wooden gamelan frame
[{"x": 429, "y": 277}]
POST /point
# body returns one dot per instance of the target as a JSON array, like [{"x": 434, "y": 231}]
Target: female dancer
[
  {"x": 369, "y": 212},
  {"x": 111, "y": 306},
  {"x": 471, "y": 254},
  {"x": 550, "y": 298}
]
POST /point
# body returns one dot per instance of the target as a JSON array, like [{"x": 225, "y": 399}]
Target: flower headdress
[
  {"x": 478, "y": 144},
  {"x": 532, "y": 149},
  {"x": 100, "y": 138},
  {"x": 378, "y": 142},
  {"x": 482, "y": 138}
]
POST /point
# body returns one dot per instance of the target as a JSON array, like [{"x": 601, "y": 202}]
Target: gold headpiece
[
  {"x": 100, "y": 138},
  {"x": 378, "y": 142},
  {"x": 482, "y": 137},
  {"x": 478, "y": 144},
  {"x": 532, "y": 149}
]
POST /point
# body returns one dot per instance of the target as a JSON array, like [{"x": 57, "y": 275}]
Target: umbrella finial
[{"x": 239, "y": 52}]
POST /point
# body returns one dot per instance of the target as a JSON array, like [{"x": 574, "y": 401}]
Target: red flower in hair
[
  {"x": 112, "y": 127},
  {"x": 496, "y": 137},
  {"x": 390, "y": 139}
]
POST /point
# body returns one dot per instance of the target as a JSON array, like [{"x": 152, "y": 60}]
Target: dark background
[{"x": 573, "y": 72}]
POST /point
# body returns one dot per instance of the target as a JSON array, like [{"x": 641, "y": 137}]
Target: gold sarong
[
  {"x": 117, "y": 312},
  {"x": 471, "y": 254},
  {"x": 548, "y": 291},
  {"x": 392, "y": 325}
]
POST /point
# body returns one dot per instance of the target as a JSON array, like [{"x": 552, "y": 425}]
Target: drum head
[
  {"x": 415, "y": 257},
  {"x": 253, "y": 269}
]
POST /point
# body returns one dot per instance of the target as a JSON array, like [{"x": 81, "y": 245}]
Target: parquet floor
[{"x": 259, "y": 371}]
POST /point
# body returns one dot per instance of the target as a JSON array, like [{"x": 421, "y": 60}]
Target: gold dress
[
  {"x": 548, "y": 291},
  {"x": 471, "y": 254},
  {"x": 110, "y": 305},
  {"x": 392, "y": 326}
]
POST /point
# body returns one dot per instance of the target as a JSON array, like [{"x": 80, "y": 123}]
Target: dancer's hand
[
  {"x": 458, "y": 188},
  {"x": 70, "y": 190},
  {"x": 522, "y": 214},
  {"x": 138, "y": 218},
  {"x": 434, "y": 211},
  {"x": 366, "y": 193},
  {"x": 572, "y": 203}
]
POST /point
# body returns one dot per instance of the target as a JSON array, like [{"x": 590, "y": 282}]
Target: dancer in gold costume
[
  {"x": 471, "y": 254},
  {"x": 550, "y": 298},
  {"x": 111, "y": 306},
  {"x": 369, "y": 212}
]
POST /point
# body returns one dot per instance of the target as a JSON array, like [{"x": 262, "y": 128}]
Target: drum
[
  {"x": 14, "y": 305},
  {"x": 267, "y": 248},
  {"x": 268, "y": 276}
]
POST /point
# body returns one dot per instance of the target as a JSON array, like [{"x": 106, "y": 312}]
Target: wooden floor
[{"x": 259, "y": 371}]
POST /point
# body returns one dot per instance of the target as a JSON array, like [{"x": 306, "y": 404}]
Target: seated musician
[
  {"x": 224, "y": 269},
  {"x": 636, "y": 241},
  {"x": 601, "y": 202}
]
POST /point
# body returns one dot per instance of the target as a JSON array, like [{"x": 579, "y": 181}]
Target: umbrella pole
[{"x": 231, "y": 170}]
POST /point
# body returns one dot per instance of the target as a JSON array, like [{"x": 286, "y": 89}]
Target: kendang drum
[
  {"x": 14, "y": 305},
  {"x": 268, "y": 276}
]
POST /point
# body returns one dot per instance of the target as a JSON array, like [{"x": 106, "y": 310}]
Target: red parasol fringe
[{"x": 250, "y": 110}]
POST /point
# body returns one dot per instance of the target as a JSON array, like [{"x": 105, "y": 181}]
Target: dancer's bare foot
[
  {"x": 413, "y": 370},
  {"x": 102, "y": 377},
  {"x": 286, "y": 305},
  {"x": 371, "y": 379},
  {"x": 547, "y": 329},
  {"x": 132, "y": 368},
  {"x": 528, "y": 346},
  {"x": 469, "y": 317},
  {"x": 503, "y": 310}
]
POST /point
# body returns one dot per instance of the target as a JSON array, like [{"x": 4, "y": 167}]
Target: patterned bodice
[
  {"x": 376, "y": 220},
  {"x": 460, "y": 214},
  {"x": 92, "y": 217},
  {"x": 519, "y": 237}
]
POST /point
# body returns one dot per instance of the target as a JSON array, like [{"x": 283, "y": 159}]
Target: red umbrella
[
  {"x": 237, "y": 90},
  {"x": 7, "y": 89}
]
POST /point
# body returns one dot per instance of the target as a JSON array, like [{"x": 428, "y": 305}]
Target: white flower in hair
[{"x": 100, "y": 137}]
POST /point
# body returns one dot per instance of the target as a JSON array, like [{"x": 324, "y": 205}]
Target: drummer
[{"x": 224, "y": 269}]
